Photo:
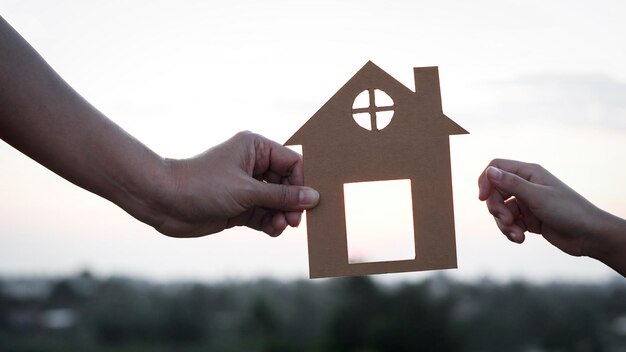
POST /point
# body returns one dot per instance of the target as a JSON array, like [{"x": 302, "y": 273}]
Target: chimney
[{"x": 427, "y": 85}]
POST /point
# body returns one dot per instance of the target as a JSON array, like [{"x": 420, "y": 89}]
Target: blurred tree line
[{"x": 345, "y": 314}]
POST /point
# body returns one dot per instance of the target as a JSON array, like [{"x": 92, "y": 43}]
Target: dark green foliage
[
  {"x": 370, "y": 319},
  {"x": 345, "y": 314}
]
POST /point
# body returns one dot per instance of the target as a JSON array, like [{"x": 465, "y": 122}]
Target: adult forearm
[{"x": 43, "y": 117}]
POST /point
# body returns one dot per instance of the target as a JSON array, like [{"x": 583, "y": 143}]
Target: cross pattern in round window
[{"x": 373, "y": 109}]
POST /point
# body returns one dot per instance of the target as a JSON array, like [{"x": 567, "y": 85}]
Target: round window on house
[{"x": 373, "y": 109}]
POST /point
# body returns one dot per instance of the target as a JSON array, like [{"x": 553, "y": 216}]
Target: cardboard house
[{"x": 413, "y": 145}]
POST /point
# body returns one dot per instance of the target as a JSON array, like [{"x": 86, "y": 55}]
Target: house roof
[{"x": 371, "y": 76}]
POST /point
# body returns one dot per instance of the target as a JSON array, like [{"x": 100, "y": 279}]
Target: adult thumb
[
  {"x": 511, "y": 183},
  {"x": 285, "y": 197}
]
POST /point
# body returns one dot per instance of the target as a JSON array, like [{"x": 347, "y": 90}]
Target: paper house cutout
[{"x": 413, "y": 145}]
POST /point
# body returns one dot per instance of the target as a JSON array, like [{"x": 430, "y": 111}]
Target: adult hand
[
  {"x": 526, "y": 197},
  {"x": 248, "y": 180}
]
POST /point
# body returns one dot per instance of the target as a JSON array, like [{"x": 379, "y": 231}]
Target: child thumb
[{"x": 511, "y": 183}]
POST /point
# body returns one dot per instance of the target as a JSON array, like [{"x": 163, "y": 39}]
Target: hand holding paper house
[{"x": 339, "y": 148}]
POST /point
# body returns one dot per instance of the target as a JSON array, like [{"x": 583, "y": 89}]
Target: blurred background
[
  {"x": 84, "y": 313},
  {"x": 535, "y": 81}
]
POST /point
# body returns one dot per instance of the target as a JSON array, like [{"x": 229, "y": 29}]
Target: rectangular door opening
[{"x": 379, "y": 221}]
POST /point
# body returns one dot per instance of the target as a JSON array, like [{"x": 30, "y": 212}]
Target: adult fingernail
[
  {"x": 494, "y": 173},
  {"x": 512, "y": 236},
  {"x": 308, "y": 197}
]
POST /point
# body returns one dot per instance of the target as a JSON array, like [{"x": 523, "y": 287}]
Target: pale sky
[{"x": 531, "y": 80}]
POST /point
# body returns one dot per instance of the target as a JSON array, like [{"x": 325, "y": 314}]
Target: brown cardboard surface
[{"x": 415, "y": 145}]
